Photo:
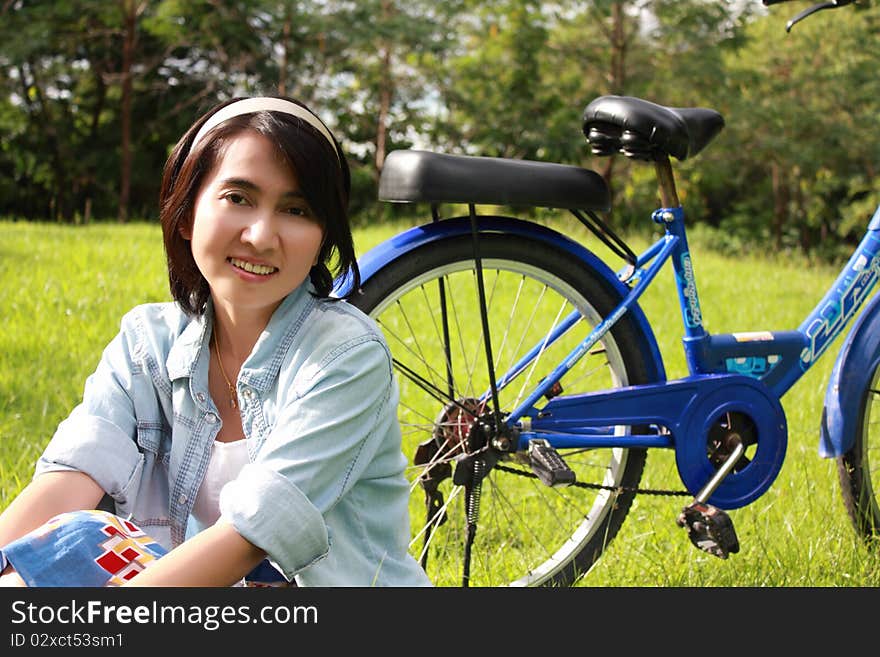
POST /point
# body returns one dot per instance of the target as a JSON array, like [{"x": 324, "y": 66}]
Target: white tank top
[{"x": 227, "y": 460}]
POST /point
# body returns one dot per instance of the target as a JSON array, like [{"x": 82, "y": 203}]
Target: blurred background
[{"x": 94, "y": 94}]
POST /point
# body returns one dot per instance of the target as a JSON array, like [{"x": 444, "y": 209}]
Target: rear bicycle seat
[
  {"x": 643, "y": 130},
  {"x": 410, "y": 176}
]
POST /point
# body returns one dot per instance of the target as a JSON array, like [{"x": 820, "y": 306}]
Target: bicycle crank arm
[{"x": 713, "y": 483}]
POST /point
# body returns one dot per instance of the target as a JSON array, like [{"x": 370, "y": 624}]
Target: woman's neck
[{"x": 236, "y": 333}]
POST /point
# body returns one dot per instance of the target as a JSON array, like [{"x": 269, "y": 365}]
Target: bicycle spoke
[
  {"x": 401, "y": 344},
  {"x": 527, "y": 379},
  {"x": 466, "y": 390},
  {"x": 527, "y": 533},
  {"x": 514, "y": 307},
  {"x": 525, "y": 332}
]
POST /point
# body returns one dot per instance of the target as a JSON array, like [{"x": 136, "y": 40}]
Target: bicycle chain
[{"x": 618, "y": 489}]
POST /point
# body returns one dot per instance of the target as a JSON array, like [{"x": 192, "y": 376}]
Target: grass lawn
[{"x": 64, "y": 289}]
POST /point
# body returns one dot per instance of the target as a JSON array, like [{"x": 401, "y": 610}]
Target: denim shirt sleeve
[
  {"x": 99, "y": 436},
  {"x": 323, "y": 440}
]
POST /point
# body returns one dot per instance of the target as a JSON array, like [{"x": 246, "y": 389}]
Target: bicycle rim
[{"x": 528, "y": 534}]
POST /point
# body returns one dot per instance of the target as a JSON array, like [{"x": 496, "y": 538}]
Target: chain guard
[{"x": 742, "y": 406}]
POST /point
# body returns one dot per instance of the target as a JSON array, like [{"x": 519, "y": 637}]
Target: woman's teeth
[{"x": 262, "y": 270}]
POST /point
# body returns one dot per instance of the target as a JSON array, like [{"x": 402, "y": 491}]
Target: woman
[{"x": 249, "y": 426}]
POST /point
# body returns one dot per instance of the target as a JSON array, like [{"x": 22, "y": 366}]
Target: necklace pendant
[{"x": 233, "y": 403}]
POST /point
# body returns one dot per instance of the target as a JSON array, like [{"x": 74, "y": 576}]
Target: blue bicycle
[{"x": 532, "y": 386}]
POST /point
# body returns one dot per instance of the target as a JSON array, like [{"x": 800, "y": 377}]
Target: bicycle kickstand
[{"x": 708, "y": 527}]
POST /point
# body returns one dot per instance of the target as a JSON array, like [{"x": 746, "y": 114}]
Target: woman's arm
[
  {"x": 217, "y": 556},
  {"x": 48, "y": 495},
  {"x": 45, "y": 497}
]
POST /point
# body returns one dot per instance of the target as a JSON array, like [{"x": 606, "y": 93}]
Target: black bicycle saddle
[
  {"x": 413, "y": 175},
  {"x": 644, "y": 130}
]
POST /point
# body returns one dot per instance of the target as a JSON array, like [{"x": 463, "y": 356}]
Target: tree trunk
[
  {"x": 386, "y": 91},
  {"x": 617, "y": 78},
  {"x": 129, "y": 10},
  {"x": 617, "y": 40}
]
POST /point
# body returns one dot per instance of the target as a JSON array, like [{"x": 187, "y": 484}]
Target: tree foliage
[{"x": 94, "y": 93}]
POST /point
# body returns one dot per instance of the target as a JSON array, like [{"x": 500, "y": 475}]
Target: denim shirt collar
[{"x": 188, "y": 356}]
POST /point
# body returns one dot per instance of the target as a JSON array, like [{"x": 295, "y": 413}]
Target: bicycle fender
[
  {"x": 851, "y": 376},
  {"x": 378, "y": 257}
]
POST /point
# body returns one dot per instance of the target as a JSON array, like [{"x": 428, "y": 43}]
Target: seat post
[{"x": 666, "y": 182}]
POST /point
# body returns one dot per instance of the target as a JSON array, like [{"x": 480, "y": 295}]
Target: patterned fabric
[
  {"x": 83, "y": 548},
  {"x": 96, "y": 549}
]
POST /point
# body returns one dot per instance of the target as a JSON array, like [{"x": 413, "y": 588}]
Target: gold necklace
[{"x": 233, "y": 397}]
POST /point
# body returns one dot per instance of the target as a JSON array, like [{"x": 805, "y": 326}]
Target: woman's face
[{"x": 253, "y": 235}]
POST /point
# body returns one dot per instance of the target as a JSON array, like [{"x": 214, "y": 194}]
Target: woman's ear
[{"x": 185, "y": 231}]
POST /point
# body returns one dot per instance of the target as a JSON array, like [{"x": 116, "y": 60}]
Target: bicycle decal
[
  {"x": 840, "y": 307},
  {"x": 693, "y": 314},
  {"x": 754, "y": 366},
  {"x": 753, "y": 336}
]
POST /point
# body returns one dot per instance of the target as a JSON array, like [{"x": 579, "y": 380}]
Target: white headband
[{"x": 261, "y": 104}]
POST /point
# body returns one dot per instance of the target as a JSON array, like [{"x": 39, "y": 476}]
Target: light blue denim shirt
[{"x": 324, "y": 492}]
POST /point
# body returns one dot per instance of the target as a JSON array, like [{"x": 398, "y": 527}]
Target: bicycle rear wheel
[
  {"x": 859, "y": 468},
  {"x": 528, "y": 534}
]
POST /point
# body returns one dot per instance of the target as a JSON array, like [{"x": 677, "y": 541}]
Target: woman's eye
[
  {"x": 297, "y": 211},
  {"x": 235, "y": 198}
]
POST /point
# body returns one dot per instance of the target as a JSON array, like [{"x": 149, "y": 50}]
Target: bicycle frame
[
  {"x": 724, "y": 420},
  {"x": 776, "y": 359}
]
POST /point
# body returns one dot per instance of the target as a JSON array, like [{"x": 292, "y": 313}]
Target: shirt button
[
  {"x": 210, "y": 418},
  {"x": 201, "y": 397},
  {"x": 249, "y": 393},
  {"x": 182, "y": 499}
]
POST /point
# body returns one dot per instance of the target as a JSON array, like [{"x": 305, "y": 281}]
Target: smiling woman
[
  {"x": 253, "y": 236},
  {"x": 250, "y": 419}
]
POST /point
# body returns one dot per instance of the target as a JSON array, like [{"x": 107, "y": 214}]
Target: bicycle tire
[
  {"x": 859, "y": 468},
  {"x": 528, "y": 534}
]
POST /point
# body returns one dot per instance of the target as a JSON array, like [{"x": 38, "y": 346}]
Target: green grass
[
  {"x": 797, "y": 533},
  {"x": 64, "y": 290}
]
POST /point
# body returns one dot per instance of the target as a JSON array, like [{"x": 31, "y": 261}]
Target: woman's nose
[{"x": 261, "y": 232}]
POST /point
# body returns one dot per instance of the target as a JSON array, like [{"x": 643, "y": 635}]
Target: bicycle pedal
[
  {"x": 548, "y": 465},
  {"x": 709, "y": 528}
]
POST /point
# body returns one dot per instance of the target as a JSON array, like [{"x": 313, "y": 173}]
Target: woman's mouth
[{"x": 259, "y": 270}]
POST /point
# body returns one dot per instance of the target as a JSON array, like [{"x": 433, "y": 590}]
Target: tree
[
  {"x": 93, "y": 94},
  {"x": 494, "y": 90},
  {"x": 131, "y": 11},
  {"x": 802, "y": 106},
  {"x": 52, "y": 60},
  {"x": 383, "y": 71}
]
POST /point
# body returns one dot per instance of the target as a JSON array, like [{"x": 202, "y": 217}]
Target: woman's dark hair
[{"x": 323, "y": 176}]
